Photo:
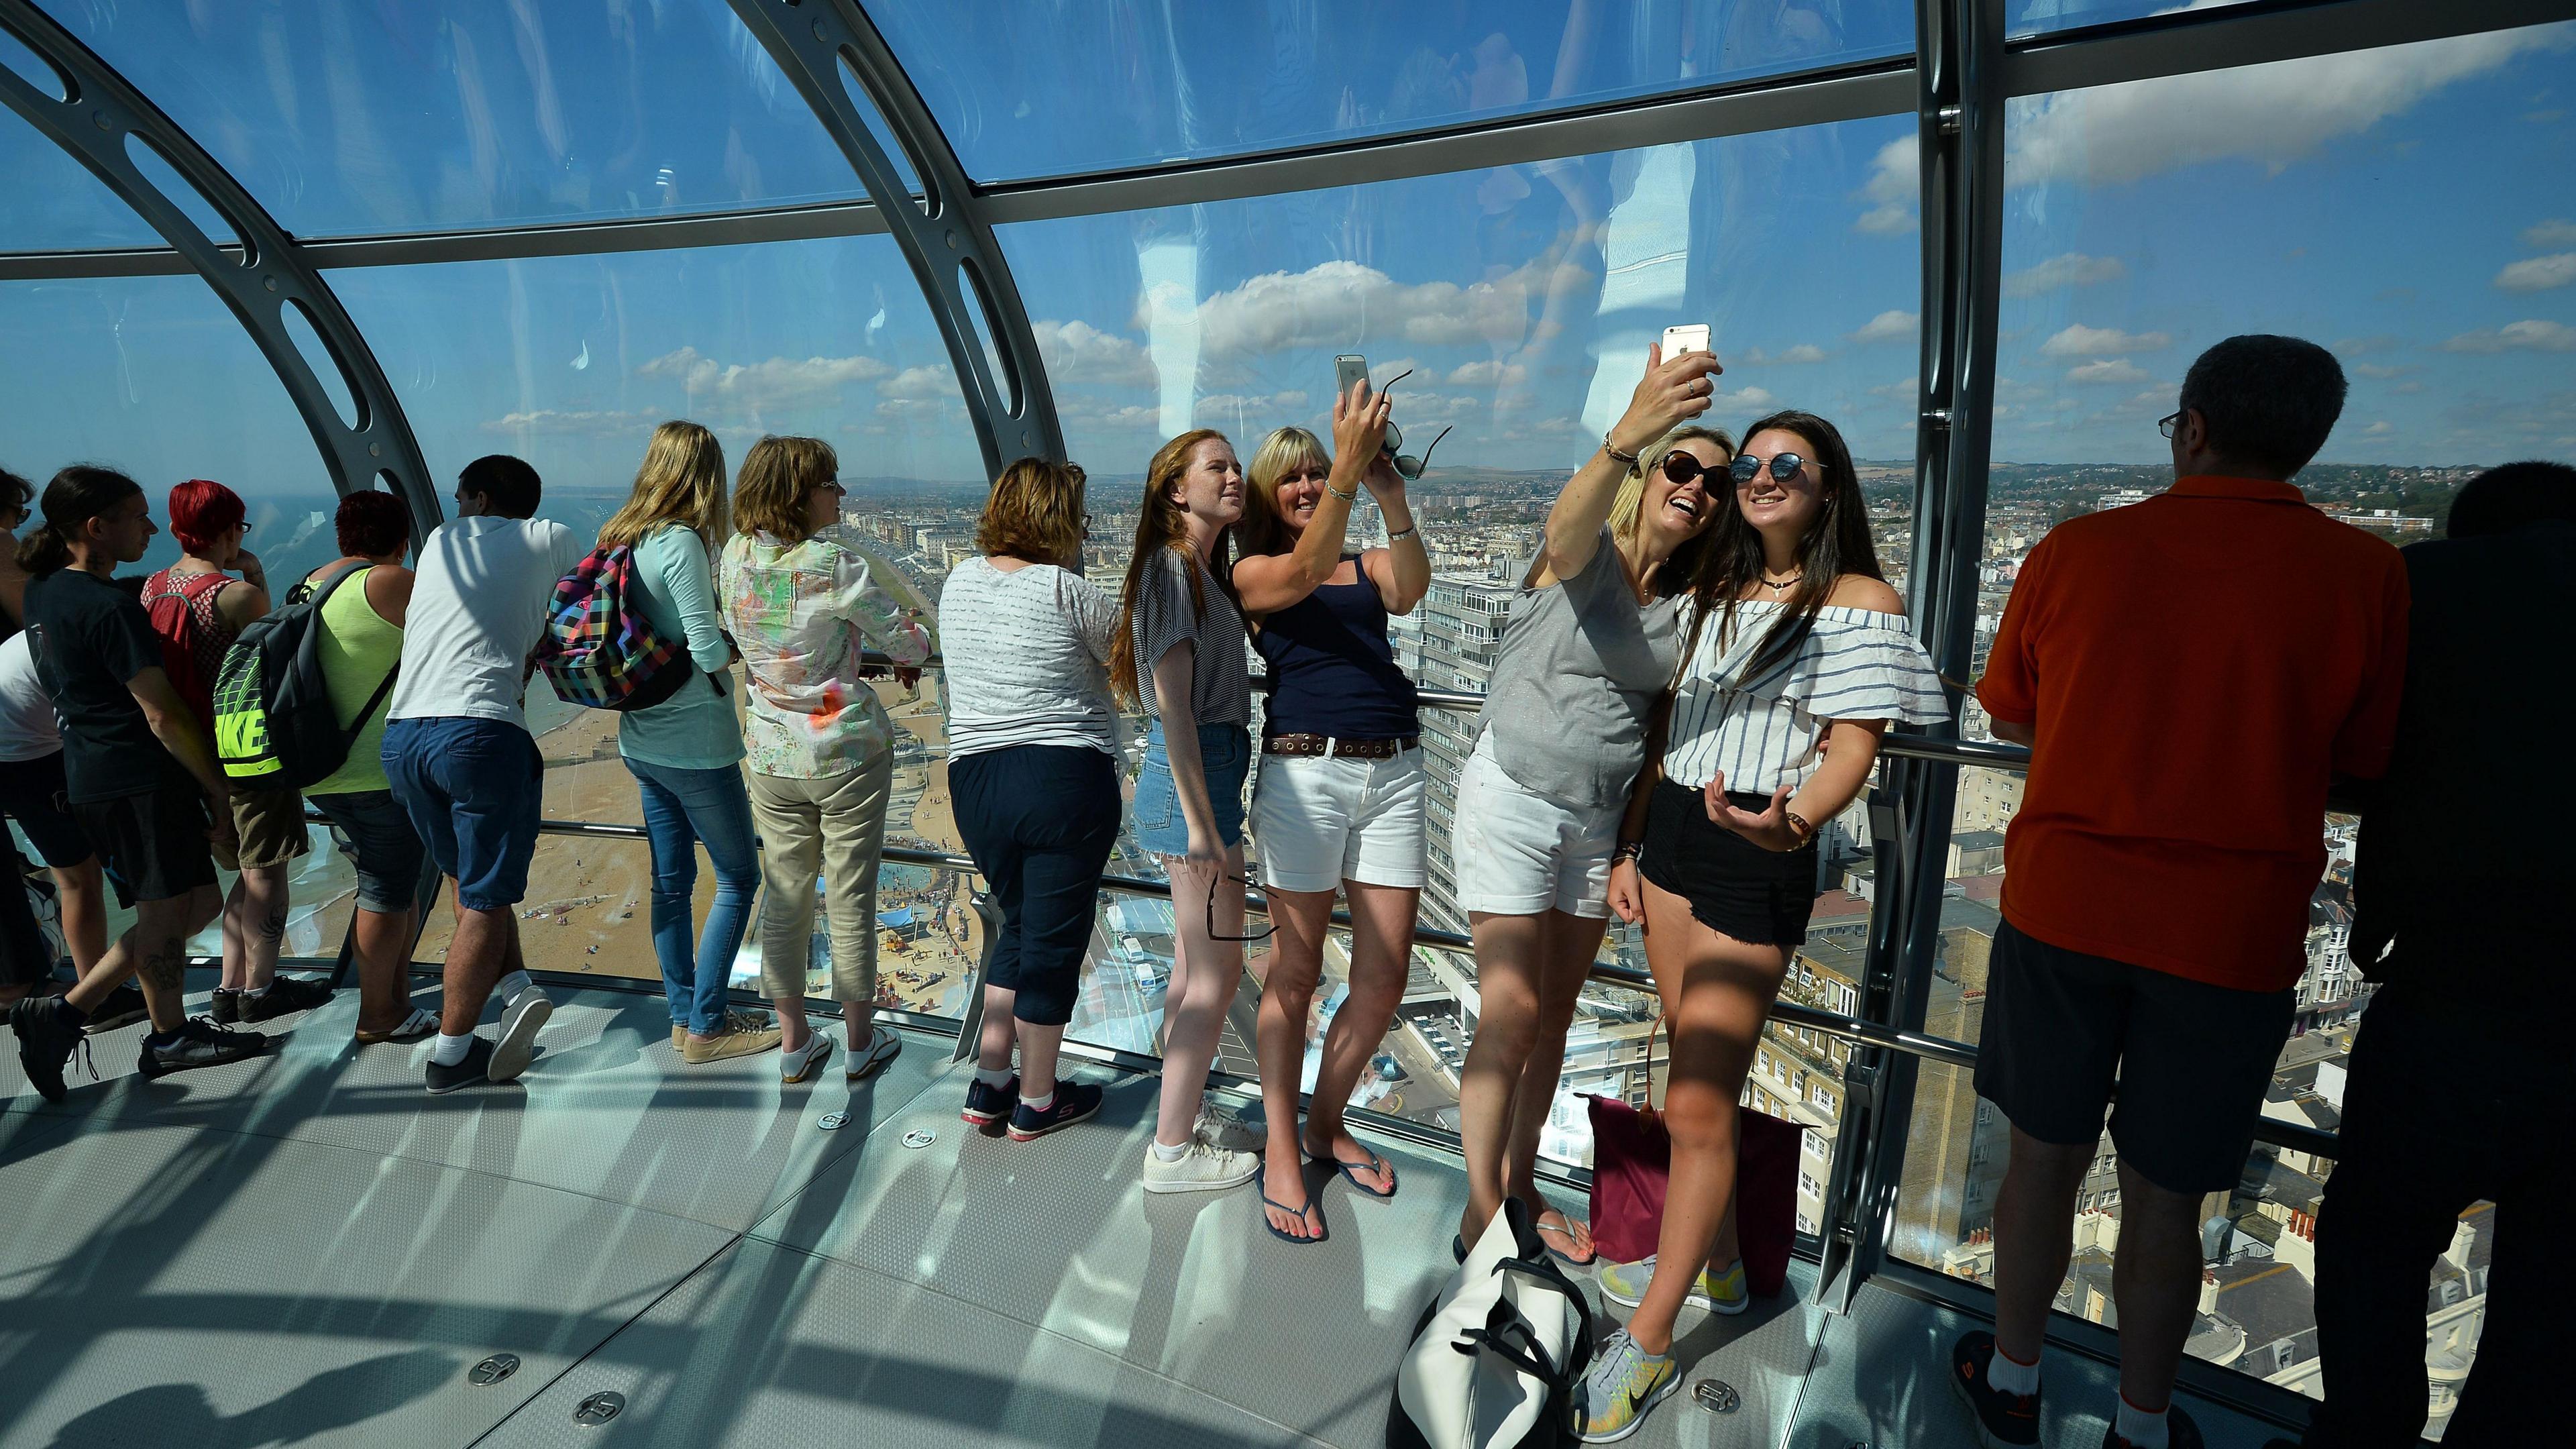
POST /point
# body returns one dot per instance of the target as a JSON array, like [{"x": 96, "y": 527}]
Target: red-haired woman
[{"x": 198, "y": 607}]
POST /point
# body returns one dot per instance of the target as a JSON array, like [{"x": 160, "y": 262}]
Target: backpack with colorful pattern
[{"x": 598, "y": 649}]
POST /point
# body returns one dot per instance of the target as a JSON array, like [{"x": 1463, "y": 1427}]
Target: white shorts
[
  {"x": 1520, "y": 853},
  {"x": 1320, "y": 820}
]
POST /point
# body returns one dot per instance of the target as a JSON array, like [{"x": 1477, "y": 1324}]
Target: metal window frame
[{"x": 260, "y": 277}]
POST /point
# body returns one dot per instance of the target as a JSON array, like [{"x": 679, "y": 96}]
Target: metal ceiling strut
[
  {"x": 844, "y": 69},
  {"x": 100, "y": 118}
]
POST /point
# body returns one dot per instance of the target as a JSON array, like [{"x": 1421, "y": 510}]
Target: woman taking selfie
[
  {"x": 1178, "y": 654},
  {"x": 1340, "y": 799},
  {"x": 1591, "y": 644},
  {"x": 1797, "y": 660},
  {"x": 1033, "y": 766}
]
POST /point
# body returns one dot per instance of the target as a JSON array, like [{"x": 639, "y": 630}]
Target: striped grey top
[
  {"x": 1220, "y": 685},
  {"x": 1856, "y": 664}
]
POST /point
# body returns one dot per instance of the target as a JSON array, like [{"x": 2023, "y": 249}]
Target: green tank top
[{"x": 358, "y": 649}]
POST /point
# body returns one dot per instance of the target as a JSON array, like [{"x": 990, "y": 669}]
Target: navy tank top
[{"x": 1333, "y": 668}]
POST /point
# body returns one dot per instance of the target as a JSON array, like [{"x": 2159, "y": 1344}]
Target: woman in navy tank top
[{"x": 1338, "y": 803}]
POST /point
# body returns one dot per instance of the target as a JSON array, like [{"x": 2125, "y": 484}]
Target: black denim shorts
[{"x": 1735, "y": 888}]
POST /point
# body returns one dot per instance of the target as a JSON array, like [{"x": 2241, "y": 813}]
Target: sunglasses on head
[{"x": 1784, "y": 466}]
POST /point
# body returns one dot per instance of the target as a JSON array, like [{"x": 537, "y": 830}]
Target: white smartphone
[
  {"x": 1349, "y": 371},
  {"x": 1688, "y": 337}
]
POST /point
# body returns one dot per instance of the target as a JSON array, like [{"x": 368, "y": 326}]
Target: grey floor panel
[
  {"x": 1881, "y": 1376},
  {"x": 170, "y": 1284},
  {"x": 1058, "y": 1234},
  {"x": 772, "y": 1347}
]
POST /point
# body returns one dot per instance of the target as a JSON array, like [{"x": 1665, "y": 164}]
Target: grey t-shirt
[
  {"x": 1221, "y": 688},
  {"x": 1581, "y": 663}
]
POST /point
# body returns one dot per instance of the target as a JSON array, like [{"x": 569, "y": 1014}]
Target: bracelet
[
  {"x": 1608, "y": 447},
  {"x": 1799, "y": 826},
  {"x": 1408, "y": 531},
  {"x": 1350, "y": 497},
  {"x": 1627, "y": 850}
]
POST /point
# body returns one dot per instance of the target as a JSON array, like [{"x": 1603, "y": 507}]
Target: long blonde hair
[
  {"x": 682, "y": 481},
  {"x": 1162, "y": 525},
  {"x": 1264, "y": 529},
  {"x": 1682, "y": 569}
]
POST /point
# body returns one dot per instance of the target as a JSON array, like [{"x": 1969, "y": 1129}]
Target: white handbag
[{"x": 1494, "y": 1362}]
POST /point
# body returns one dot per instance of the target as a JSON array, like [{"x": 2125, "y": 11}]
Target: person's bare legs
[
  {"x": 1381, "y": 957},
  {"x": 1511, "y": 953},
  {"x": 1205, "y": 973},
  {"x": 1572, "y": 942},
  {"x": 1287, "y": 1005},
  {"x": 381, "y": 942},
  {"x": 236, "y": 914},
  {"x": 484, "y": 949},
  {"x": 994, "y": 1038},
  {"x": 80, "y": 893},
  {"x": 2155, "y": 1282},
  {"x": 257, "y": 911},
  {"x": 1717, "y": 992},
  {"x": 2034, "y": 1237},
  {"x": 154, "y": 953}
]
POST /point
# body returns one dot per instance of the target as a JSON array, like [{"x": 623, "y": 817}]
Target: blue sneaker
[
  {"x": 1073, "y": 1102},
  {"x": 988, "y": 1105}
]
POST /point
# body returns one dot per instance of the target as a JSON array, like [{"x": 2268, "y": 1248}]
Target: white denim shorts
[
  {"x": 1321, "y": 820},
  {"x": 1520, "y": 853}
]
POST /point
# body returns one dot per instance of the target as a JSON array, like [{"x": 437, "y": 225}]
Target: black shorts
[
  {"x": 1735, "y": 888},
  {"x": 2193, "y": 1060},
  {"x": 154, "y": 845},
  {"x": 31, "y": 793}
]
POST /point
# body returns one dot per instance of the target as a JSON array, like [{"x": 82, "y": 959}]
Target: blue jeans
[
  {"x": 684, "y": 809},
  {"x": 1225, "y": 757}
]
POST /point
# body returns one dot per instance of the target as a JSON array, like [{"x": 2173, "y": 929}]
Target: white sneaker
[
  {"x": 520, "y": 1022},
  {"x": 1203, "y": 1167},
  {"x": 1224, "y": 1128}
]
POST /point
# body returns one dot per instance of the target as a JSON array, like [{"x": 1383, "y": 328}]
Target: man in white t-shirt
[{"x": 459, "y": 757}]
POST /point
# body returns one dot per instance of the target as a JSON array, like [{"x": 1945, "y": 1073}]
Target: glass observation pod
[{"x": 318, "y": 248}]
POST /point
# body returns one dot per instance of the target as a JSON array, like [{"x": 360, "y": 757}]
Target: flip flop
[
  {"x": 1351, "y": 1171},
  {"x": 1268, "y": 1201},
  {"x": 1567, "y": 1232}
]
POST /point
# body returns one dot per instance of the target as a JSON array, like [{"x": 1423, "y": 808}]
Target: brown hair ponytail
[
  {"x": 76, "y": 495},
  {"x": 1161, "y": 526}
]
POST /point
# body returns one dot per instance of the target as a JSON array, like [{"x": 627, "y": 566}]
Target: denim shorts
[
  {"x": 473, "y": 789},
  {"x": 1225, "y": 753},
  {"x": 381, "y": 845}
]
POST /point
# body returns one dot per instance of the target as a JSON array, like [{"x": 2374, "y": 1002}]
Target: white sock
[
  {"x": 512, "y": 984},
  {"x": 1171, "y": 1152},
  {"x": 262, "y": 991},
  {"x": 451, "y": 1049},
  {"x": 2142, "y": 1429},
  {"x": 2009, "y": 1375},
  {"x": 1040, "y": 1104},
  {"x": 992, "y": 1076}
]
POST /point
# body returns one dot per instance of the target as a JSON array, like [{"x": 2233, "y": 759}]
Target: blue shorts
[
  {"x": 474, "y": 789},
  {"x": 1225, "y": 753},
  {"x": 381, "y": 844}
]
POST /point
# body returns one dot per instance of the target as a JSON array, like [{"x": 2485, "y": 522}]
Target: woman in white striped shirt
[{"x": 1797, "y": 660}]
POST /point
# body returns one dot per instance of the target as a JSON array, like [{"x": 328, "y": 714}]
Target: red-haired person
[{"x": 199, "y": 607}]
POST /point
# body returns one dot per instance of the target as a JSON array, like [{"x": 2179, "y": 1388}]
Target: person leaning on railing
[
  {"x": 1339, "y": 802},
  {"x": 802, "y": 607},
  {"x": 1591, "y": 642},
  {"x": 1032, "y": 767},
  {"x": 1795, "y": 661},
  {"x": 1178, "y": 653}
]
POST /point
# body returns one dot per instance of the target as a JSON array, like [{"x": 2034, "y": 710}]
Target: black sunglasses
[
  {"x": 1407, "y": 466},
  {"x": 1784, "y": 466},
  {"x": 1679, "y": 467},
  {"x": 1216, "y": 935}
]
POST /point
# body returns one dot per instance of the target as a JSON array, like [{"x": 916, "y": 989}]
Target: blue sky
[{"x": 2413, "y": 207}]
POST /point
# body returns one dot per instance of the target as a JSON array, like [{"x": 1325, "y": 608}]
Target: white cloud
[
  {"x": 1751, "y": 397},
  {"x": 2108, "y": 370},
  {"x": 2272, "y": 115},
  {"x": 1487, "y": 374},
  {"x": 2529, "y": 335},
  {"x": 549, "y": 420},
  {"x": 1796, "y": 355},
  {"x": 1906, "y": 391},
  {"x": 2555, "y": 232},
  {"x": 936, "y": 383},
  {"x": 1077, "y": 352},
  {"x": 2378, "y": 429},
  {"x": 1338, "y": 303},
  {"x": 927, "y": 408},
  {"x": 2380, "y": 371},
  {"x": 778, "y": 382},
  {"x": 2539, "y": 274},
  {"x": 1890, "y": 326},
  {"x": 1894, "y": 187},
  {"x": 2082, "y": 341},
  {"x": 2067, "y": 269}
]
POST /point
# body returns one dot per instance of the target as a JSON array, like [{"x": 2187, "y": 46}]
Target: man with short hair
[
  {"x": 458, "y": 755},
  {"x": 2422, "y": 1140},
  {"x": 2188, "y": 673}
]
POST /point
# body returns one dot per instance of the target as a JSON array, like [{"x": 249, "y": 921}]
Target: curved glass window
[
  {"x": 1027, "y": 90},
  {"x": 347, "y": 119},
  {"x": 55, "y": 204},
  {"x": 2038, "y": 17}
]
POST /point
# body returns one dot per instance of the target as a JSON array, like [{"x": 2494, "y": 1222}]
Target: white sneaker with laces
[
  {"x": 1203, "y": 1167},
  {"x": 520, "y": 1022},
  {"x": 1227, "y": 1129}
]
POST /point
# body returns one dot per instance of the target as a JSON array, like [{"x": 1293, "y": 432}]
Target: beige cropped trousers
[{"x": 835, "y": 826}]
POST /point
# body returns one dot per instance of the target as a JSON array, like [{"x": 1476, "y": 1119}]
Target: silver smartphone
[
  {"x": 1349, "y": 371},
  {"x": 1688, "y": 337}
]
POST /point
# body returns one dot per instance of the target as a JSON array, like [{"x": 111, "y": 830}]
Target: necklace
[{"x": 1784, "y": 583}]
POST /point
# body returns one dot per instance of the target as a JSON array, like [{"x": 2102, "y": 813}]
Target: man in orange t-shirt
[{"x": 2189, "y": 673}]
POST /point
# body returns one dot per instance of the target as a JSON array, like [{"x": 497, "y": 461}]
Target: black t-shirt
[{"x": 90, "y": 639}]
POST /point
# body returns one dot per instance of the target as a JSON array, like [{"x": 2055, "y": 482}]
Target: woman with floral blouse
[{"x": 801, "y": 606}]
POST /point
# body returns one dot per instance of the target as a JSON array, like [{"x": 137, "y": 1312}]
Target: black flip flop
[
  {"x": 1268, "y": 1201},
  {"x": 1351, "y": 1171}
]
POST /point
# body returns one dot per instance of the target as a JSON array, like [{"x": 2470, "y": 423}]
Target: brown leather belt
[{"x": 1311, "y": 745}]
